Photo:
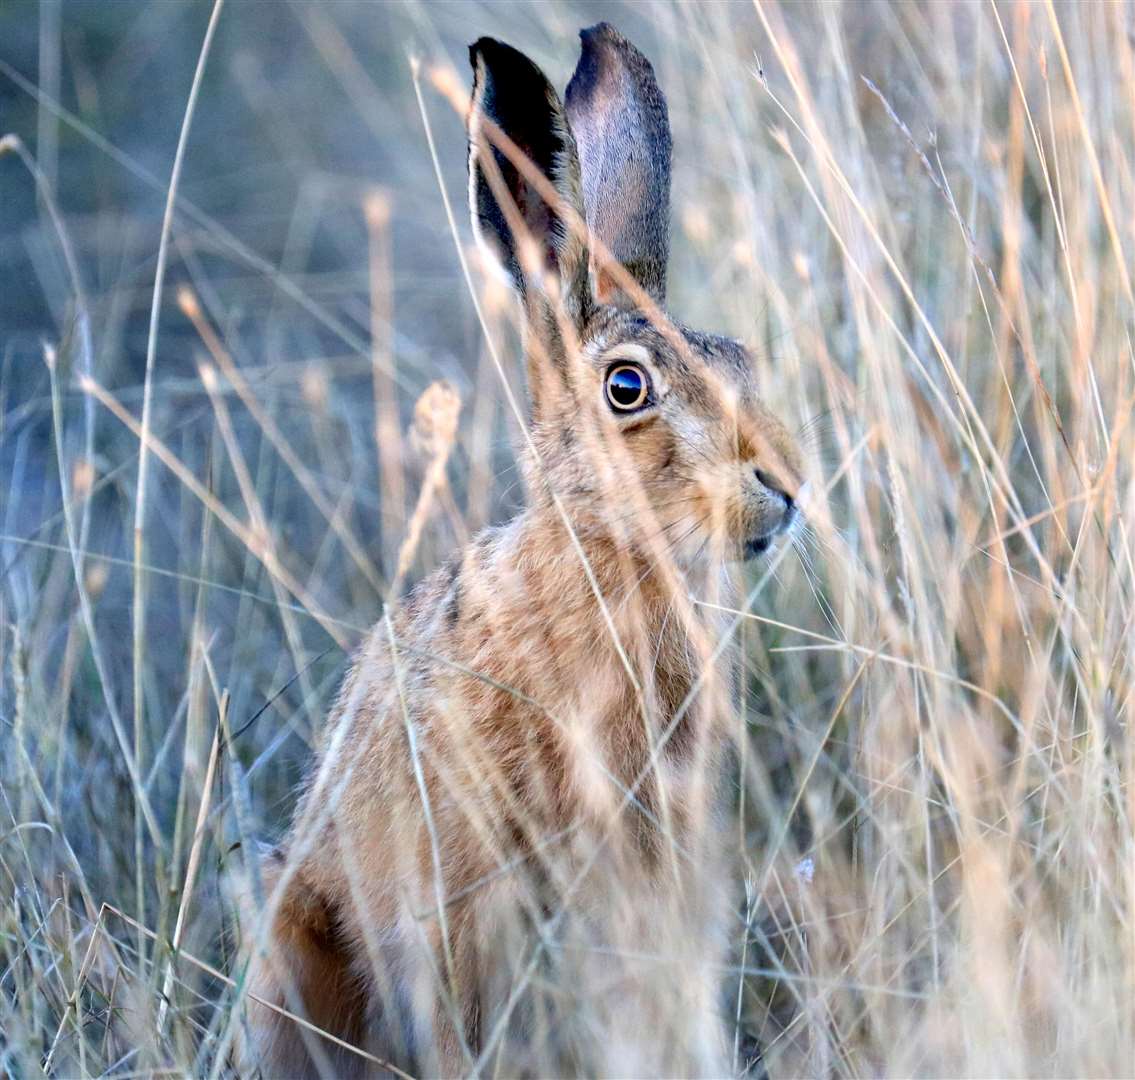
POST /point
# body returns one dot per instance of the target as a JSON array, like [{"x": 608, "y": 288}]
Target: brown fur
[{"x": 529, "y": 750}]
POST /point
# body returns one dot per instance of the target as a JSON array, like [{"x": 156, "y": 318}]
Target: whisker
[{"x": 813, "y": 581}]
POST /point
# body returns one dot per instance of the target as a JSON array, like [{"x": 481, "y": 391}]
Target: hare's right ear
[
  {"x": 622, "y": 128},
  {"x": 525, "y": 196}
]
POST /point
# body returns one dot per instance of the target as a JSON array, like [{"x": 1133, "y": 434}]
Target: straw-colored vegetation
[{"x": 920, "y": 219}]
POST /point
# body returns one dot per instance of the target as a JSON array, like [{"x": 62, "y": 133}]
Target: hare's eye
[{"x": 628, "y": 387}]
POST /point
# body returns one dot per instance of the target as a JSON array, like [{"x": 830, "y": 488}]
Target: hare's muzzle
[{"x": 775, "y": 511}]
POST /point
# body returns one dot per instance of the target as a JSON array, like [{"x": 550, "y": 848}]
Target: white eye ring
[{"x": 627, "y": 387}]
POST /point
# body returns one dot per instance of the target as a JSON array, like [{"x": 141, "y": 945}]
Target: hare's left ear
[
  {"x": 524, "y": 188},
  {"x": 622, "y": 130}
]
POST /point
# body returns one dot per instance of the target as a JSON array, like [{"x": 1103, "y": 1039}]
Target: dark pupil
[{"x": 626, "y": 387}]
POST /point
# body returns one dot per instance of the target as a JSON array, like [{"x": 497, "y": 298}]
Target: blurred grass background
[{"x": 920, "y": 218}]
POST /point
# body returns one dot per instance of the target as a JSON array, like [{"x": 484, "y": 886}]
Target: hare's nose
[{"x": 768, "y": 481}]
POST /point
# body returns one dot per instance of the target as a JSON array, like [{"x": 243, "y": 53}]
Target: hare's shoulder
[
  {"x": 464, "y": 590},
  {"x": 445, "y": 616}
]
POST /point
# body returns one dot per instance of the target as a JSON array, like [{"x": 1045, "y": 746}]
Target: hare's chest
[{"x": 645, "y": 746}]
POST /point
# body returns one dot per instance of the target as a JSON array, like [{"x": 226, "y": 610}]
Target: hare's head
[{"x": 640, "y": 426}]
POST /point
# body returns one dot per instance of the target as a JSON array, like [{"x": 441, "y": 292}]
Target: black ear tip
[
  {"x": 503, "y": 61},
  {"x": 487, "y": 47}
]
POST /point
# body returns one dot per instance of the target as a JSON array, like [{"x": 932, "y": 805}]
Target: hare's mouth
[{"x": 757, "y": 545}]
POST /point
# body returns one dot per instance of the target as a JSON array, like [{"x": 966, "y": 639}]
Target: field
[{"x": 228, "y": 271}]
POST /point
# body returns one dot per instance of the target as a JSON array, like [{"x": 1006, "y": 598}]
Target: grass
[{"x": 919, "y": 216}]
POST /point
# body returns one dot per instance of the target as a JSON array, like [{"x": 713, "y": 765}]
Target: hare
[{"x": 510, "y": 852}]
